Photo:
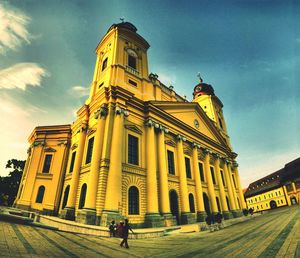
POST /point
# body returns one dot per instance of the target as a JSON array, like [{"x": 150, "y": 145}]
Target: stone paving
[{"x": 274, "y": 234}]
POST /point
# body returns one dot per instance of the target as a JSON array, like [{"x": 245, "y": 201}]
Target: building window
[
  {"x": 66, "y": 195},
  {"x": 233, "y": 181},
  {"x": 192, "y": 203},
  {"x": 222, "y": 176},
  {"x": 220, "y": 122},
  {"x": 132, "y": 58},
  {"x": 89, "y": 151},
  {"x": 171, "y": 164},
  {"x": 133, "y": 201},
  {"x": 82, "y": 196},
  {"x": 40, "y": 194},
  {"x": 188, "y": 167},
  {"x": 213, "y": 175},
  {"x": 201, "y": 171},
  {"x": 47, "y": 163},
  {"x": 133, "y": 150},
  {"x": 72, "y": 162},
  {"x": 104, "y": 64}
]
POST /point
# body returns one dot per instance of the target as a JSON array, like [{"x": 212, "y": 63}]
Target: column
[
  {"x": 229, "y": 188},
  {"x": 294, "y": 187},
  {"x": 186, "y": 215},
  {"x": 224, "y": 205},
  {"x": 210, "y": 185},
  {"x": 88, "y": 214},
  {"x": 238, "y": 181},
  {"x": 201, "y": 213},
  {"x": 113, "y": 196},
  {"x": 153, "y": 218},
  {"x": 69, "y": 211},
  {"x": 237, "y": 212},
  {"x": 287, "y": 197}
]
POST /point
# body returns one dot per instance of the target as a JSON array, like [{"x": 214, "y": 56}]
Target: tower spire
[{"x": 199, "y": 76}]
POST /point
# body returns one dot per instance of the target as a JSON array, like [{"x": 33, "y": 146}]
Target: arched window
[
  {"x": 66, "y": 195},
  {"x": 40, "y": 194},
  {"x": 206, "y": 204},
  {"x": 228, "y": 205},
  {"x": 218, "y": 204},
  {"x": 192, "y": 204},
  {"x": 132, "y": 58},
  {"x": 82, "y": 196},
  {"x": 133, "y": 200}
]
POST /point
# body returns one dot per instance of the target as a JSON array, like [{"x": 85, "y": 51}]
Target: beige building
[
  {"x": 137, "y": 149},
  {"x": 281, "y": 188}
]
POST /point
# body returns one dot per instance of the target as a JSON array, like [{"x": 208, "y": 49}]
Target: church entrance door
[{"x": 174, "y": 204}]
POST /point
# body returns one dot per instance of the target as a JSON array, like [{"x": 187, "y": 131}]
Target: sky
[{"x": 249, "y": 51}]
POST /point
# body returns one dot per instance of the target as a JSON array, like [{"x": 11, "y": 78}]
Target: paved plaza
[{"x": 274, "y": 234}]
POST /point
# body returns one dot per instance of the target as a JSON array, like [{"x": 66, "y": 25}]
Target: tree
[{"x": 9, "y": 185}]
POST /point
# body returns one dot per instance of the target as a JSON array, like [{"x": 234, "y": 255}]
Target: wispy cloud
[
  {"x": 21, "y": 75},
  {"x": 80, "y": 91},
  {"x": 13, "y": 28}
]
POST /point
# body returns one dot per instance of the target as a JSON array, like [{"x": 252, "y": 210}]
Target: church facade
[{"x": 137, "y": 149}]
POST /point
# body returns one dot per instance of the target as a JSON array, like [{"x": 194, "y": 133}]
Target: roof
[{"x": 125, "y": 25}]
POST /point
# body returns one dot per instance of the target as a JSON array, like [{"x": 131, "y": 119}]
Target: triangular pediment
[
  {"x": 192, "y": 115},
  {"x": 134, "y": 128},
  {"x": 49, "y": 149}
]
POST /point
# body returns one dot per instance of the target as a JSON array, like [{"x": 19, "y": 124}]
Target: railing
[{"x": 132, "y": 70}]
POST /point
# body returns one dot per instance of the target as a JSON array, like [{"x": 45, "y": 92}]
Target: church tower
[
  {"x": 204, "y": 95},
  {"x": 121, "y": 61}
]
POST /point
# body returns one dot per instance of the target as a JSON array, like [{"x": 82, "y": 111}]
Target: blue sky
[{"x": 248, "y": 50}]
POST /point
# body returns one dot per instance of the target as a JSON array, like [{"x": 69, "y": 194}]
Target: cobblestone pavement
[{"x": 274, "y": 234}]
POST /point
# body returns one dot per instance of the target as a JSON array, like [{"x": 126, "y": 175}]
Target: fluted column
[
  {"x": 186, "y": 215},
  {"x": 70, "y": 208},
  {"x": 229, "y": 187},
  {"x": 221, "y": 187},
  {"x": 210, "y": 185},
  {"x": 89, "y": 211},
  {"x": 201, "y": 213},
  {"x": 238, "y": 181},
  {"x": 163, "y": 175},
  {"x": 114, "y": 180},
  {"x": 153, "y": 218},
  {"x": 233, "y": 186}
]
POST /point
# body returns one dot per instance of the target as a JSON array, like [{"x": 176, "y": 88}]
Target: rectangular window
[
  {"x": 132, "y": 61},
  {"x": 188, "y": 168},
  {"x": 104, "y": 64},
  {"x": 233, "y": 181},
  {"x": 213, "y": 175},
  {"x": 72, "y": 162},
  {"x": 171, "y": 163},
  {"x": 132, "y": 82},
  {"x": 133, "y": 150},
  {"x": 201, "y": 171},
  {"x": 47, "y": 163},
  {"x": 89, "y": 151},
  {"x": 222, "y": 176}
]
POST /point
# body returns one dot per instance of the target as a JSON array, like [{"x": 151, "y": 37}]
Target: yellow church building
[{"x": 137, "y": 149}]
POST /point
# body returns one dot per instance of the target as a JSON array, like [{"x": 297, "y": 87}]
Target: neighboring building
[
  {"x": 137, "y": 149},
  {"x": 278, "y": 189}
]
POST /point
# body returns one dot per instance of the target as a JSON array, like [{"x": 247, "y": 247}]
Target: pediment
[
  {"x": 192, "y": 115},
  {"x": 134, "y": 128},
  {"x": 49, "y": 149},
  {"x": 170, "y": 142}
]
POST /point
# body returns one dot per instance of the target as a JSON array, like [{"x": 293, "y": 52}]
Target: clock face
[
  {"x": 199, "y": 88},
  {"x": 196, "y": 123}
]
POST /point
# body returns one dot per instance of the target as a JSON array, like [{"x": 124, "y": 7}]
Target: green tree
[{"x": 9, "y": 185}]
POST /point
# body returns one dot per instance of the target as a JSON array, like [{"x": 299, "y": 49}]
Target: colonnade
[{"x": 158, "y": 209}]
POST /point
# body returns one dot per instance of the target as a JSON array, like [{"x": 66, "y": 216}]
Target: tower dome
[
  {"x": 125, "y": 25},
  {"x": 203, "y": 89}
]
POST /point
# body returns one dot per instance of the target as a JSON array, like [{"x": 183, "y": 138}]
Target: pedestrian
[
  {"x": 126, "y": 229},
  {"x": 112, "y": 229}
]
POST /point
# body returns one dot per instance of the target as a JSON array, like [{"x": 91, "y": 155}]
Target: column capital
[
  {"x": 217, "y": 156},
  {"x": 207, "y": 151},
  {"x": 181, "y": 138},
  {"x": 119, "y": 111},
  {"x": 37, "y": 143},
  {"x": 101, "y": 112},
  {"x": 83, "y": 127},
  {"x": 235, "y": 164},
  {"x": 158, "y": 127},
  {"x": 196, "y": 145}
]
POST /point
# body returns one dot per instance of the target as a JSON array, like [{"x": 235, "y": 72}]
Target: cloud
[
  {"x": 80, "y": 91},
  {"x": 21, "y": 75},
  {"x": 13, "y": 29}
]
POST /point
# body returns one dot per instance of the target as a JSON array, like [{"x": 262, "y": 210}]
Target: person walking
[
  {"x": 112, "y": 229},
  {"x": 126, "y": 229}
]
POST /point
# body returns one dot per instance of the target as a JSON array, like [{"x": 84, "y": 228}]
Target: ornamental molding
[
  {"x": 133, "y": 169},
  {"x": 74, "y": 146},
  {"x": 101, "y": 112},
  {"x": 37, "y": 143},
  {"x": 49, "y": 149},
  {"x": 62, "y": 142},
  {"x": 90, "y": 131},
  {"x": 170, "y": 143},
  {"x": 134, "y": 128}
]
